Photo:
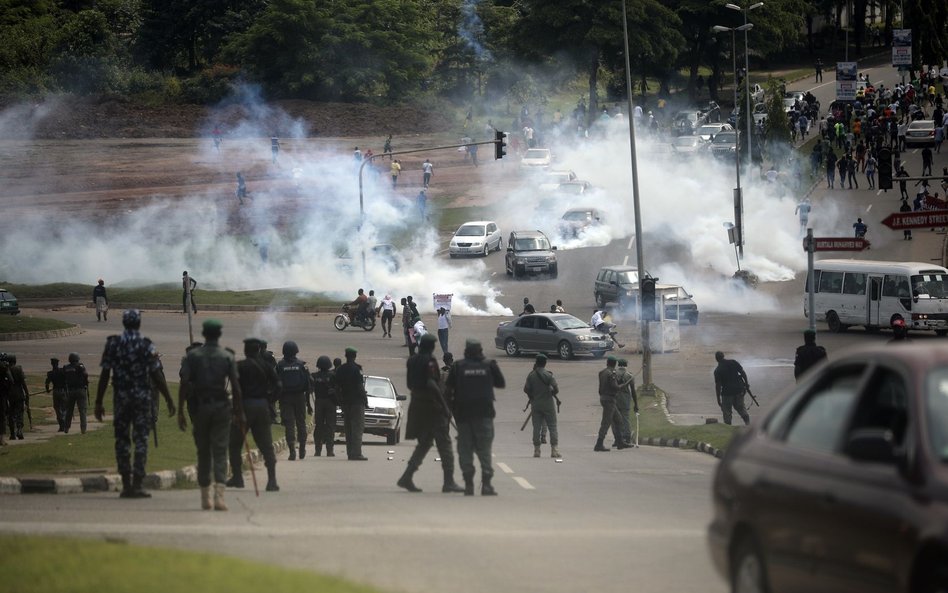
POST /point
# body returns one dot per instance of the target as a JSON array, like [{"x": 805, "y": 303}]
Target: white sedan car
[
  {"x": 706, "y": 131},
  {"x": 478, "y": 237},
  {"x": 537, "y": 157}
]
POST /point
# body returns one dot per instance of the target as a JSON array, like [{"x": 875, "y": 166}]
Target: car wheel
[
  {"x": 600, "y": 301},
  {"x": 392, "y": 437},
  {"x": 486, "y": 249},
  {"x": 565, "y": 350},
  {"x": 340, "y": 322},
  {"x": 748, "y": 573},
  {"x": 693, "y": 319},
  {"x": 835, "y": 326},
  {"x": 554, "y": 271},
  {"x": 500, "y": 245},
  {"x": 518, "y": 272},
  {"x": 511, "y": 348}
]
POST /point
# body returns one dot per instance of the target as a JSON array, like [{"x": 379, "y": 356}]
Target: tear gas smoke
[{"x": 471, "y": 29}]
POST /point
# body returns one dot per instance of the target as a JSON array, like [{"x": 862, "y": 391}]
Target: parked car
[
  {"x": 759, "y": 113},
  {"x": 530, "y": 252},
  {"x": 537, "y": 157},
  {"x": 383, "y": 416},
  {"x": 478, "y": 237},
  {"x": 8, "y": 303},
  {"x": 553, "y": 179},
  {"x": 690, "y": 145},
  {"x": 680, "y": 306},
  {"x": 558, "y": 333},
  {"x": 724, "y": 145},
  {"x": 576, "y": 187},
  {"x": 843, "y": 485},
  {"x": 706, "y": 131},
  {"x": 575, "y": 221},
  {"x": 615, "y": 283},
  {"x": 684, "y": 123},
  {"x": 920, "y": 132}
]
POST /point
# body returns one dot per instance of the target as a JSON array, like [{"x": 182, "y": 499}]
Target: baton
[
  {"x": 525, "y": 420},
  {"x": 636, "y": 429}
]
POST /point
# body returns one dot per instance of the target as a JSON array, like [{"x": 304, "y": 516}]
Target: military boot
[
  {"x": 555, "y": 453},
  {"x": 536, "y": 450},
  {"x": 319, "y": 450},
  {"x": 469, "y": 485},
  {"x": 137, "y": 490},
  {"x": 449, "y": 484},
  {"x": 272, "y": 479},
  {"x": 219, "y": 504},
  {"x": 206, "y": 498},
  {"x": 292, "y": 453},
  {"x": 599, "y": 446},
  {"x": 126, "y": 485},
  {"x": 236, "y": 481},
  {"x": 486, "y": 488},
  {"x": 329, "y": 452},
  {"x": 406, "y": 482},
  {"x": 302, "y": 450}
]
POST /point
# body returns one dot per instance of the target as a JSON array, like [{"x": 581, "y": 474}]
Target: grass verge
[
  {"x": 654, "y": 423},
  {"x": 10, "y": 324},
  {"x": 84, "y": 566}
]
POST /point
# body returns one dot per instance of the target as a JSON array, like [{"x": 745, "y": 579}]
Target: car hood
[
  {"x": 542, "y": 253},
  {"x": 381, "y": 402}
]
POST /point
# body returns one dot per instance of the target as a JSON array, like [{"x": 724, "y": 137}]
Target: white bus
[{"x": 875, "y": 293}]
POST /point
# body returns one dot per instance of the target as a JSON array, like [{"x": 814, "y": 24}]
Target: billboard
[
  {"x": 901, "y": 47},
  {"x": 846, "y": 81}
]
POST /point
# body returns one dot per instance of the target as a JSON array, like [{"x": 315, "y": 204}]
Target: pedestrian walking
[
  {"x": 803, "y": 212},
  {"x": 541, "y": 389},
  {"x": 927, "y": 161},
  {"x": 188, "y": 284},
  {"x": 241, "y": 190},
  {"x": 906, "y": 233},
  {"x": 205, "y": 373},
  {"x": 851, "y": 169},
  {"x": 428, "y": 417},
  {"x": 819, "y": 70},
  {"x": 387, "y": 310},
  {"x": 395, "y": 169},
  {"x": 57, "y": 380},
  {"x": 130, "y": 361},
  {"x": 101, "y": 301},
  {"x": 324, "y": 406},
  {"x": 626, "y": 403},
  {"x": 406, "y": 322},
  {"x": 387, "y": 148},
  {"x": 444, "y": 328},
  {"x": 421, "y": 201},
  {"x": 609, "y": 387},
  {"x": 470, "y": 386},
  {"x": 830, "y": 169},
  {"x": 902, "y": 188},
  {"x": 730, "y": 384},
  {"x": 859, "y": 228},
  {"x": 259, "y": 387},
  {"x": 870, "y": 170},
  {"x": 808, "y": 355},
  {"x": 295, "y": 390},
  {"x": 354, "y": 400},
  {"x": 77, "y": 392},
  {"x": 426, "y": 170}
]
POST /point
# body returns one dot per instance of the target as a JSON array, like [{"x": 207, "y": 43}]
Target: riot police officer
[
  {"x": 18, "y": 398},
  {"x": 294, "y": 398},
  {"x": 354, "y": 400},
  {"x": 56, "y": 379},
  {"x": 324, "y": 404},
  {"x": 259, "y": 384},
  {"x": 77, "y": 392}
]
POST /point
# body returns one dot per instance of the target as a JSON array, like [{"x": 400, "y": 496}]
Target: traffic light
[
  {"x": 500, "y": 144},
  {"x": 885, "y": 169},
  {"x": 648, "y": 298}
]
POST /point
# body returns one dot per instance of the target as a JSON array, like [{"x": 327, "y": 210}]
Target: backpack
[{"x": 293, "y": 376}]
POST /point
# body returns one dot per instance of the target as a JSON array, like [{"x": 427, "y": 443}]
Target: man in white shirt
[
  {"x": 599, "y": 323},
  {"x": 444, "y": 325}
]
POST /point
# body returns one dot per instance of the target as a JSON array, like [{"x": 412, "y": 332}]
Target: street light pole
[
  {"x": 738, "y": 196},
  {"x": 750, "y": 130}
]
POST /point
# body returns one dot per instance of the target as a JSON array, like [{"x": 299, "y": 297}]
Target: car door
[
  {"x": 546, "y": 338},
  {"x": 875, "y": 298},
  {"x": 786, "y": 498},
  {"x": 869, "y": 536},
  {"x": 526, "y": 332},
  {"x": 610, "y": 290},
  {"x": 493, "y": 236}
]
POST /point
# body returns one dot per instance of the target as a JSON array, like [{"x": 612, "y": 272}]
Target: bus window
[
  {"x": 831, "y": 282},
  {"x": 895, "y": 286},
  {"x": 854, "y": 283},
  {"x": 816, "y": 277},
  {"x": 934, "y": 286}
]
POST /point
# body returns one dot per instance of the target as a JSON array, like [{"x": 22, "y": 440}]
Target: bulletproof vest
[
  {"x": 74, "y": 375},
  {"x": 323, "y": 385},
  {"x": 418, "y": 371},
  {"x": 292, "y": 375},
  {"x": 253, "y": 379},
  {"x": 474, "y": 389},
  {"x": 209, "y": 372},
  {"x": 56, "y": 377}
]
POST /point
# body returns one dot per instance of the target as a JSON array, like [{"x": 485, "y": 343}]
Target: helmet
[
  {"x": 11, "y": 358},
  {"x": 290, "y": 348},
  {"x": 898, "y": 323},
  {"x": 323, "y": 363},
  {"x": 73, "y": 357},
  {"x": 132, "y": 318}
]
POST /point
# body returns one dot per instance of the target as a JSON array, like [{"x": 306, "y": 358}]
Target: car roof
[
  {"x": 620, "y": 268},
  {"x": 528, "y": 233},
  {"x": 920, "y": 356},
  {"x": 583, "y": 209},
  {"x": 479, "y": 222},
  {"x": 551, "y": 316},
  {"x": 922, "y": 123}
]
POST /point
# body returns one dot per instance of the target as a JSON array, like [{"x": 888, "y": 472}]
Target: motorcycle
[{"x": 345, "y": 319}]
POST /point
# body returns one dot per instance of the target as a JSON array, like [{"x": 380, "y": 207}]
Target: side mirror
[
  {"x": 400, "y": 397},
  {"x": 871, "y": 445},
  {"x": 554, "y": 248}
]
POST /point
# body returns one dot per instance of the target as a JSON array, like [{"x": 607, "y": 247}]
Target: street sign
[
  {"x": 837, "y": 244},
  {"x": 898, "y": 221}
]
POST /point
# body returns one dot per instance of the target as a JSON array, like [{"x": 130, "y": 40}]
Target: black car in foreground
[{"x": 843, "y": 486}]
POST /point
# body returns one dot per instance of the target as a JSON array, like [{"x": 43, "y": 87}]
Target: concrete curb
[
  {"x": 42, "y": 335},
  {"x": 240, "y": 308},
  {"x": 161, "y": 480},
  {"x": 678, "y": 443}
]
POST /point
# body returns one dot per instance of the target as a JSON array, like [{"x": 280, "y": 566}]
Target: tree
[{"x": 777, "y": 127}]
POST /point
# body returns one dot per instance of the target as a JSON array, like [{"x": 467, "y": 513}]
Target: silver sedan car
[
  {"x": 383, "y": 416},
  {"x": 558, "y": 333}
]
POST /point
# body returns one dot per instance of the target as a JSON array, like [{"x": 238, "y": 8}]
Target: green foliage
[
  {"x": 777, "y": 127},
  {"x": 10, "y": 324}
]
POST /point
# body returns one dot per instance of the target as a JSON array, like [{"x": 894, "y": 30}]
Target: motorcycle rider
[{"x": 358, "y": 307}]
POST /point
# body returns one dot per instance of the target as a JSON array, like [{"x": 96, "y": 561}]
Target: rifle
[
  {"x": 751, "y": 394},
  {"x": 154, "y": 415},
  {"x": 29, "y": 413}
]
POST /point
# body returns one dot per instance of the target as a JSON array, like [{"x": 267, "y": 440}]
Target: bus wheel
[{"x": 832, "y": 319}]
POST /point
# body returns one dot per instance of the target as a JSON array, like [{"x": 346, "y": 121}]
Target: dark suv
[
  {"x": 8, "y": 303},
  {"x": 530, "y": 252},
  {"x": 616, "y": 284}
]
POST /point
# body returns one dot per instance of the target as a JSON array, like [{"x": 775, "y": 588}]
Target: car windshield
[
  {"x": 572, "y": 188},
  {"x": 532, "y": 244},
  {"x": 6, "y": 296},
  {"x": 686, "y": 141},
  {"x": 375, "y": 387},
  {"x": 471, "y": 230},
  {"x": 706, "y": 130},
  {"x": 534, "y": 153},
  {"x": 930, "y": 286},
  {"x": 724, "y": 138},
  {"x": 578, "y": 215},
  {"x": 569, "y": 322},
  {"x": 937, "y": 411},
  {"x": 627, "y": 277}
]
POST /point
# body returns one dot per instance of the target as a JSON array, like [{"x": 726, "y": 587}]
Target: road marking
[
  {"x": 869, "y": 208},
  {"x": 523, "y": 483},
  {"x": 504, "y": 467},
  {"x": 879, "y": 193},
  {"x": 631, "y": 242},
  {"x": 625, "y": 260}
]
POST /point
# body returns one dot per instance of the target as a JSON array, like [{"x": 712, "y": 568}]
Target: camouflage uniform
[{"x": 131, "y": 358}]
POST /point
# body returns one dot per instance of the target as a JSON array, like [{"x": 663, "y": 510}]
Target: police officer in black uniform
[
  {"x": 77, "y": 392},
  {"x": 730, "y": 384},
  {"x": 428, "y": 415},
  {"x": 354, "y": 400},
  {"x": 808, "y": 354},
  {"x": 324, "y": 404},
  {"x": 294, "y": 398},
  {"x": 17, "y": 398},
  {"x": 259, "y": 384},
  {"x": 56, "y": 379},
  {"x": 470, "y": 385}
]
